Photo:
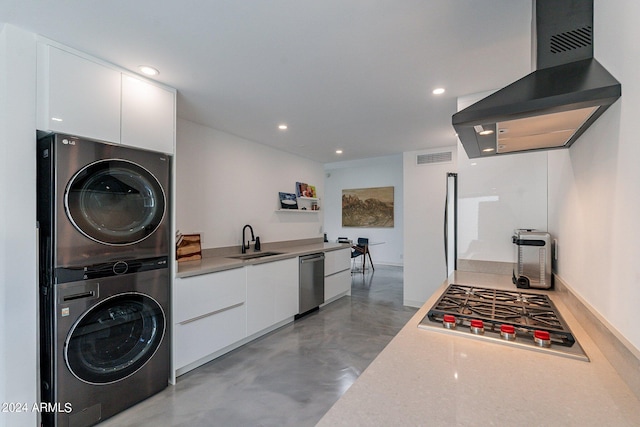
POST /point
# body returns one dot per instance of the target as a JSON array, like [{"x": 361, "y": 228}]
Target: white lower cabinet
[
  {"x": 209, "y": 314},
  {"x": 272, "y": 294},
  {"x": 337, "y": 274}
]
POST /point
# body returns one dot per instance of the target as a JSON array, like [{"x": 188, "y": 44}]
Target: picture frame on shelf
[
  {"x": 305, "y": 190},
  {"x": 288, "y": 200}
]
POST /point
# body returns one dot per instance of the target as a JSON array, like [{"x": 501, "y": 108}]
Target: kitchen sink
[{"x": 255, "y": 255}]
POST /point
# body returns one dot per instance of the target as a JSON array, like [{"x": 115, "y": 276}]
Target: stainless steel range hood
[{"x": 551, "y": 107}]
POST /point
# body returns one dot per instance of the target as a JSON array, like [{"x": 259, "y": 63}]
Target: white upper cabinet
[
  {"x": 82, "y": 96},
  {"x": 77, "y": 96},
  {"x": 148, "y": 115}
]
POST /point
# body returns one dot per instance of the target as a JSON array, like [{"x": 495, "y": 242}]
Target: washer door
[
  {"x": 115, "y": 338},
  {"x": 115, "y": 202}
]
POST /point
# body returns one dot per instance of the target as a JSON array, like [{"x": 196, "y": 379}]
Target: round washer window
[
  {"x": 115, "y": 338},
  {"x": 115, "y": 202}
]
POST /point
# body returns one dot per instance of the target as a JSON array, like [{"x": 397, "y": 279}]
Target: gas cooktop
[{"x": 514, "y": 318}]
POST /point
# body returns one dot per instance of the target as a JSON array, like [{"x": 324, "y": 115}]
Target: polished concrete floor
[{"x": 292, "y": 376}]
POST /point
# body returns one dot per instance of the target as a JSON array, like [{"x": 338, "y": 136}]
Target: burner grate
[{"x": 526, "y": 312}]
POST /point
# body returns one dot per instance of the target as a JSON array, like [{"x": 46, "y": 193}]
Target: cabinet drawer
[
  {"x": 202, "y": 337},
  {"x": 200, "y": 295},
  {"x": 335, "y": 261},
  {"x": 336, "y": 284}
]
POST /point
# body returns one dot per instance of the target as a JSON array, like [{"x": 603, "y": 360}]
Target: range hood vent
[{"x": 551, "y": 107}]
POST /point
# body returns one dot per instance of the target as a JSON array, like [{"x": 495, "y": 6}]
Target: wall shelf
[{"x": 297, "y": 210}]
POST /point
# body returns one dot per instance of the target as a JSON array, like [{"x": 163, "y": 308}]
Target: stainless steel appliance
[
  {"x": 101, "y": 202},
  {"x": 311, "y": 276},
  {"x": 104, "y": 236},
  {"x": 517, "y": 318},
  {"x": 532, "y": 268},
  {"x": 107, "y": 346},
  {"x": 552, "y": 106}
]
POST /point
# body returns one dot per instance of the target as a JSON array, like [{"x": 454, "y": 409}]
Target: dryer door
[
  {"x": 115, "y": 202},
  {"x": 115, "y": 338}
]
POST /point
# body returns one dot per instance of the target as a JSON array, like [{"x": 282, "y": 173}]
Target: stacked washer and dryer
[{"x": 103, "y": 214}]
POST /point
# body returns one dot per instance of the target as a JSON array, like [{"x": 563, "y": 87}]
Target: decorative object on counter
[
  {"x": 368, "y": 207},
  {"x": 314, "y": 206},
  {"x": 288, "y": 201},
  {"x": 532, "y": 268},
  {"x": 305, "y": 190},
  {"x": 188, "y": 247}
]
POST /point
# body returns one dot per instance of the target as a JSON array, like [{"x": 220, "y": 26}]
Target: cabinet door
[
  {"x": 272, "y": 294},
  {"x": 77, "y": 96},
  {"x": 148, "y": 115},
  {"x": 286, "y": 290}
]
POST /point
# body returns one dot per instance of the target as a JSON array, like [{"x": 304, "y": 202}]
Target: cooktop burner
[{"x": 509, "y": 317}]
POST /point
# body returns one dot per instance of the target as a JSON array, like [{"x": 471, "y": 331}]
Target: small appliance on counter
[{"x": 532, "y": 268}]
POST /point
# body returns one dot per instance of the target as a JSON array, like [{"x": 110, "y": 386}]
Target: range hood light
[{"x": 480, "y": 130}]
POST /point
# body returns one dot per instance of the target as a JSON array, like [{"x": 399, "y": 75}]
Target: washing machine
[
  {"x": 106, "y": 347},
  {"x": 99, "y": 203}
]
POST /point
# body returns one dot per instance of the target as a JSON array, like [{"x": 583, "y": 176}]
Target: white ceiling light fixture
[
  {"x": 283, "y": 127},
  {"x": 438, "y": 91},
  {"x": 148, "y": 71},
  {"x": 338, "y": 151}
]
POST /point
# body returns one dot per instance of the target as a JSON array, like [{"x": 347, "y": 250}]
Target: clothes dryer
[{"x": 100, "y": 203}]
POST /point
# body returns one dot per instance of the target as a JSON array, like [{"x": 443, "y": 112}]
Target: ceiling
[{"x": 355, "y": 75}]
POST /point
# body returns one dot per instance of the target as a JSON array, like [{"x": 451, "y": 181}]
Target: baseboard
[{"x": 622, "y": 355}]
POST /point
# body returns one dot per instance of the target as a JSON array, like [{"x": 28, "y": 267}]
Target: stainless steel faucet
[{"x": 253, "y": 239}]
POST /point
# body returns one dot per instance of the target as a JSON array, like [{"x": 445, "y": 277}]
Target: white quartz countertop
[
  {"x": 221, "y": 263},
  {"x": 430, "y": 378}
]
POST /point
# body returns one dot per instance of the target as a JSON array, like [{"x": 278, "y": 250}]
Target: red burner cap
[
  {"x": 507, "y": 329},
  {"x": 541, "y": 335},
  {"x": 449, "y": 318},
  {"x": 475, "y": 323}
]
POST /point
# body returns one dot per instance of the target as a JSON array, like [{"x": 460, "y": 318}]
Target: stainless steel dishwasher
[{"x": 311, "y": 277}]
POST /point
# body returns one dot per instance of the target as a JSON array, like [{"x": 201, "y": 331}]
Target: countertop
[
  {"x": 223, "y": 262},
  {"x": 430, "y": 378}
]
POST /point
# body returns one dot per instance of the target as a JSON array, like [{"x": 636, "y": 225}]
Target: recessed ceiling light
[
  {"x": 283, "y": 127},
  {"x": 149, "y": 71},
  {"x": 488, "y": 150},
  {"x": 438, "y": 91},
  {"x": 485, "y": 132},
  {"x": 338, "y": 151}
]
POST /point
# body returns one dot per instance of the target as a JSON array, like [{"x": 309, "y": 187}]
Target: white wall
[
  {"x": 375, "y": 172},
  {"x": 225, "y": 182},
  {"x": 495, "y": 196},
  {"x": 18, "y": 274},
  {"x": 425, "y": 188},
  {"x": 594, "y": 200}
]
